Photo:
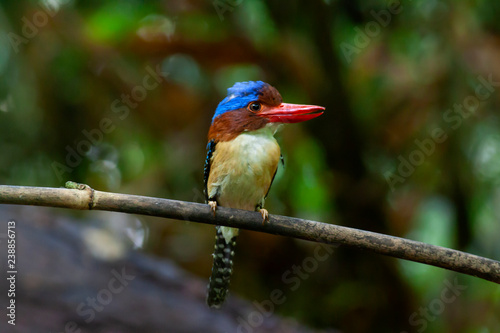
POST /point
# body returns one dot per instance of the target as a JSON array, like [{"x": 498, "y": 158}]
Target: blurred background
[{"x": 120, "y": 94}]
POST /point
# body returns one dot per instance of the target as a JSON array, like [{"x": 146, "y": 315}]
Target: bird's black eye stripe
[{"x": 254, "y": 106}]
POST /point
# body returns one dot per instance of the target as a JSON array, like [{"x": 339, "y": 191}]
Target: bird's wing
[
  {"x": 208, "y": 163},
  {"x": 272, "y": 180}
]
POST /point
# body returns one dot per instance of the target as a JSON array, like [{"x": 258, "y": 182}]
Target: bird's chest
[{"x": 242, "y": 170}]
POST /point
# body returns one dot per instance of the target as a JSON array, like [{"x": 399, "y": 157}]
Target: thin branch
[{"x": 85, "y": 198}]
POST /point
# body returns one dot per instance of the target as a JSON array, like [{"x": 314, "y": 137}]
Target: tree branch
[{"x": 80, "y": 196}]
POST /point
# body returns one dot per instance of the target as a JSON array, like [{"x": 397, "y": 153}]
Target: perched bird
[{"x": 242, "y": 160}]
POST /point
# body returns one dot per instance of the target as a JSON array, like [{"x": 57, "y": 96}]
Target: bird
[{"x": 241, "y": 163}]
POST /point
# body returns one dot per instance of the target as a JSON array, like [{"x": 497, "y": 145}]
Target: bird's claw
[
  {"x": 265, "y": 215},
  {"x": 213, "y": 206}
]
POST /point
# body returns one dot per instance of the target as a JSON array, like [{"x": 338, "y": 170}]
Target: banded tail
[{"x": 221, "y": 269}]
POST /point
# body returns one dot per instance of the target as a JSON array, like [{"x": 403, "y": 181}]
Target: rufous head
[{"x": 252, "y": 105}]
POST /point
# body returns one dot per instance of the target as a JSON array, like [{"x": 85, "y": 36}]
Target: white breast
[{"x": 242, "y": 169}]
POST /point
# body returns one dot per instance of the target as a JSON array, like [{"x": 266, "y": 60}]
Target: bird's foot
[
  {"x": 265, "y": 215},
  {"x": 213, "y": 206}
]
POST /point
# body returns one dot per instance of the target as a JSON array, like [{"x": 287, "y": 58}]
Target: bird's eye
[{"x": 254, "y": 106}]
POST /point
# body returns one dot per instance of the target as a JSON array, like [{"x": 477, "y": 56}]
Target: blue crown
[{"x": 238, "y": 96}]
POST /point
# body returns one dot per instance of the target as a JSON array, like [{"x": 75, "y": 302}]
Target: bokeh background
[{"x": 391, "y": 75}]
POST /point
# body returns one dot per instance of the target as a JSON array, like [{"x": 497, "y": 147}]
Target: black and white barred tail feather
[{"x": 221, "y": 269}]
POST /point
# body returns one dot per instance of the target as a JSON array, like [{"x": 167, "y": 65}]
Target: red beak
[{"x": 291, "y": 113}]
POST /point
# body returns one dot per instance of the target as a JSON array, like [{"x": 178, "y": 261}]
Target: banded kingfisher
[{"x": 242, "y": 160}]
